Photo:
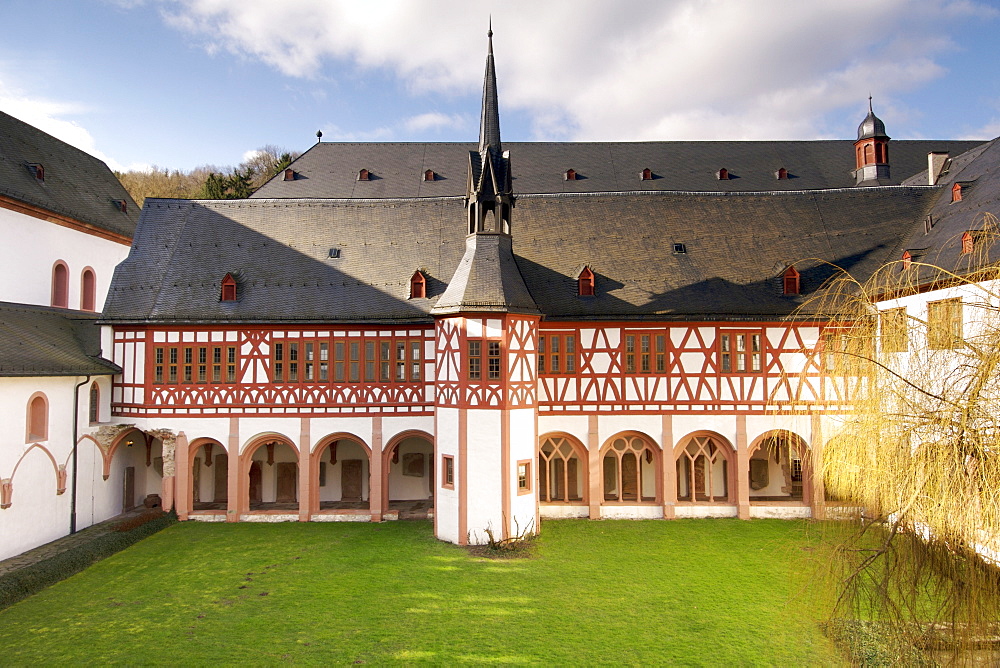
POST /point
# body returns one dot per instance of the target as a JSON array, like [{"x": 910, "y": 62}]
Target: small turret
[{"x": 871, "y": 151}]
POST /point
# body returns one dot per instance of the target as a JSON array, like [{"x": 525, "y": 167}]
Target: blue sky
[{"x": 182, "y": 83}]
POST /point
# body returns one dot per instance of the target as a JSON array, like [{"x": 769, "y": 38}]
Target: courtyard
[{"x": 686, "y": 592}]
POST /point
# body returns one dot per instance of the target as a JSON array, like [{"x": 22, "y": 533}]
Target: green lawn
[{"x": 686, "y": 592}]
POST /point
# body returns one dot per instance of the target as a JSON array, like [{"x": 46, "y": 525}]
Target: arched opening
[
  {"x": 704, "y": 466},
  {"x": 630, "y": 463},
  {"x": 60, "y": 285},
  {"x": 778, "y": 468},
  {"x": 869, "y": 154},
  {"x": 270, "y": 475},
  {"x": 408, "y": 475},
  {"x": 209, "y": 476},
  {"x": 135, "y": 467},
  {"x": 562, "y": 470},
  {"x": 88, "y": 290},
  {"x": 341, "y": 467},
  {"x": 37, "y": 419}
]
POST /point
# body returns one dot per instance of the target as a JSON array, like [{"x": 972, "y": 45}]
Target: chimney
[{"x": 937, "y": 164}]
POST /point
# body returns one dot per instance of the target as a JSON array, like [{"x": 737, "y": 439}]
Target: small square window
[
  {"x": 680, "y": 249},
  {"x": 524, "y": 476},
  {"x": 448, "y": 472}
]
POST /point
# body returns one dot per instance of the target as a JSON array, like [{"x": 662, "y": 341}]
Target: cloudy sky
[{"x": 182, "y": 83}]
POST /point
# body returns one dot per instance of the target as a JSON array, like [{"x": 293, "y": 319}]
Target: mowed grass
[{"x": 685, "y": 592}]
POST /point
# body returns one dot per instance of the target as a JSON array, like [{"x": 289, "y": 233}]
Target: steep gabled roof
[
  {"x": 76, "y": 185},
  {"x": 737, "y": 246},
  {"x": 42, "y": 341},
  {"x": 329, "y": 170}
]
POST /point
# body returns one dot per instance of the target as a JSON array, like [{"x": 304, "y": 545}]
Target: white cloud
[
  {"x": 53, "y": 117},
  {"x": 434, "y": 121},
  {"x": 639, "y": 69}
]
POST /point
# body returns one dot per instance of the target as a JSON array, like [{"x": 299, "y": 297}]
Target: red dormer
[
  {"x": 781, "y": 174},
  {"x": 790, "y": 281},
  {"x": 956, "y": 192},
  {"x": 907, "y": 259},
  {"x": 585, "y": 283},
  {"x": 722, "y": 174},
  {"x": 968, "y": 243},
  {"x": 364, "y": 175},
  {"x": 289, "y": 174},
  {"x": 418, "y": 285},
  {"x": 646, "y": 175},
  {"x": 429, "y": 175},
  {"x": 569, "y": 175},
  {"x": 228, "y": 289}
]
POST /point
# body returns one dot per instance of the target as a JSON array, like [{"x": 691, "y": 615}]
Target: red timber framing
[
  {"x": 264, "y": 371},
  {"x": 710, "y": 367}
]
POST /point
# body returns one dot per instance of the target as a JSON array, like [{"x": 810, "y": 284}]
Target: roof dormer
[
  {"x": 722, "y": 174},
  {"x": 429, "y": 175},
  {"x": 37, "y": 170},
  {"x": 646, "y": 174},
  {"x": 418, "y": 285},
  {"x": 289, "y": 174},
  {"x": 364, "y": 175},
  {"x": 229, "y": 291},
  {"x": 791, "y": 281},
  {"x": 569, "y": 175},
  {"x": 585, "y": 283}
]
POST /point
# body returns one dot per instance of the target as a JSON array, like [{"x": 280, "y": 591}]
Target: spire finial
[
  {"x": 870, "y": 104},
  {"x": 489, "y": 124},
  {"x": 489, "y": 34}
]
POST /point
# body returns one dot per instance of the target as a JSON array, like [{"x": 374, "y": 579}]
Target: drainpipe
[{"x": 76, "y": 419}]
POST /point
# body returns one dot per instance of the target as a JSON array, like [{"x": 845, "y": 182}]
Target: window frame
[
  {"x": 948, "y": 333},
  {"x": 733, "y": 354},
  {"x": 893, "y": 330},
  {"x": 448, "y": 471},
  {"x": 524, "y": 485}
]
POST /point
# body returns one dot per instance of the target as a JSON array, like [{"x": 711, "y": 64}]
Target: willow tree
[{"x": 917, "y": 349}]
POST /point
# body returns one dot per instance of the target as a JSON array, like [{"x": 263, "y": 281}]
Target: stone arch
[
  {"x": 631, "y": 469},
  {"x": 142, "y": 468},
  {"x": 36, "y": 419},
  {"x": 196, "y": 487},
  {"x": 316, "y": 460},
  {"x": 787, "y": 473},
  {"x": 387, "y": 465},
  {"x": 124, "y": 437},
  {"x": 246, "y": 469},
  {"x": 8, "y": 483},
  {"x": 555, "y": 475},
  {"x": 707, "y": 460}
]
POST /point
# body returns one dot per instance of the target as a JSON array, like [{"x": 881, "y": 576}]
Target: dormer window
[
  {"x": 585, "y": 283},
  {"x": 429, "y": 175},
  {"x": 790, "y": 281},
  {"x": 228, "y": 289},
  {"x": 907, "y": 259},
  {"x": 646, "y": 175},
  {"x": 289, "y": 174},
  {"x": 121, "y": 205},
  {"x": 418, "y": 285},
  {"x": 569, "y": 175},
  {"x": 968, "y": 243},
  {"x": 781, "y": 174},
  {"x": 956, "y": 192},
  {"x": 364, "y": 175},
  {"x": 723, "y": 174},
  {"x": 37, "y": 170}
]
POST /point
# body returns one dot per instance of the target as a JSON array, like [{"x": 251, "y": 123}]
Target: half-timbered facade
[{"x": 599, "y": 330}]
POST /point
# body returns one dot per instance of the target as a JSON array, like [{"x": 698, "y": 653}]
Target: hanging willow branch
[{"x": 919, "y": 451}]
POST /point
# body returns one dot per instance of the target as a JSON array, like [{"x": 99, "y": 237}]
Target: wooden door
[
  {"x": 610, "y": 478},
  {"x": 558, "y": 472},
  {"x": 350, "y": 480},
  {"x": 288, "y": 473},
  {"x": 630, "y": 477},
  {"x": 255, "y": 482},
  {"x": 573, "y": 483},
  {"x": 221, "y": 479},
  {"x": 128, "y": 489}
]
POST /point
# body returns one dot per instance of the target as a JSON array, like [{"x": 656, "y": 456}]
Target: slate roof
[
  {"x": 76, "y": 184},
  {"x": 979, "y": 172},
  {"x": 738, "y": 244},
  {"x": 329, "y": 170},
  {"x": 43, "y": 341}
]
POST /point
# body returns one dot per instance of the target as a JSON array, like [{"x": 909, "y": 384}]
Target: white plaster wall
[
  {"x": 395, "y": 425},
  {"x": 725, "y": 425},
  {"x": 446, "y": 501},
  {"x": 37, "y": 515},
  {"x": 560, "y": 511},
  {"x": 32, "y": 246},
  {"x": 206, "y": 486},
  {"x": 704, "y": 511},
  {"x": 631, "y": 512},
  {"x": 250, "y": 428},
  {"x": 781, "y": 512},
  {"x": 574, "y": 425},
  {"x": 484, "y": 484},
  {"x": 216, "y": 428},
  {"x": 609, "y": 425},
  {"x": 801, "y": 425},
  {"x": 320, "y": 428},
  {"x": 522, "y": 446}
]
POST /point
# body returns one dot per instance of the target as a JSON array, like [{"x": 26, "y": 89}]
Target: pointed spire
[{"x": 489, "y": 122}]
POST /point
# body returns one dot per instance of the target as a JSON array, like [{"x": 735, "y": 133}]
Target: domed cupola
[{"x": 871, "y": 151}]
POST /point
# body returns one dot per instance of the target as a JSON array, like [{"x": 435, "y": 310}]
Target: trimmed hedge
[{"x": 24, "y": 582}]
